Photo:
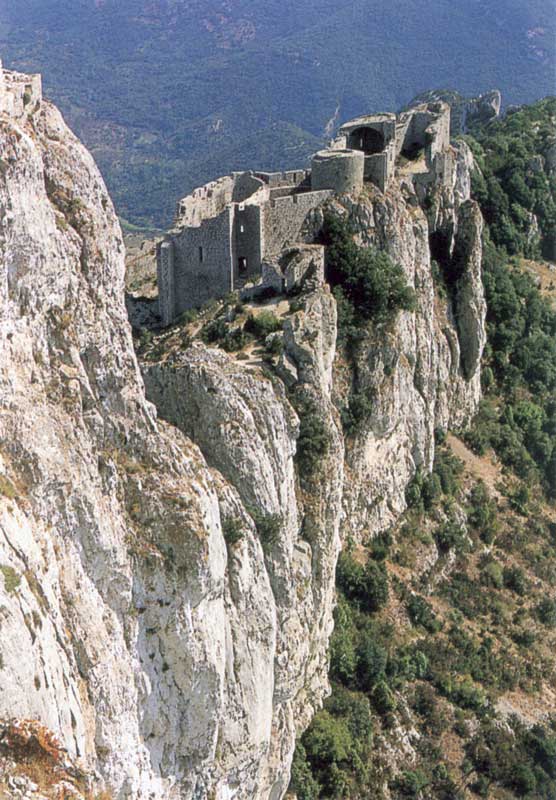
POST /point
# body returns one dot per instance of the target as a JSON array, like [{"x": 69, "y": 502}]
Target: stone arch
[{"x": 369, "y": 140}]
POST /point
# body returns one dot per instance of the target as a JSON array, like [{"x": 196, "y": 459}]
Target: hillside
[
  {"x": 443, "y": 655},
  {"x": 168, "y": 94}
]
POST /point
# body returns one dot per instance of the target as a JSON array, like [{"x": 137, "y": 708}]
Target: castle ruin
[
  {"x": 20, "y": 95},
  {"x": 226, "y": 231}
]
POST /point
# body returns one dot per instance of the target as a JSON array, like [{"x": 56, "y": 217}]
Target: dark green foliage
[
  {"x": 425, "y": 490},
  {"x": 371, "y": 661},
  {"x": 514, "y": 579},
  {"x": 546, "y": 612},
  {"x": 522, "y": 760},
  {"x": 313, "y": 439},
  {"x": 357, "y": 412},
  {"x": 366, "y": 585},
  {"x": 421, "y": 613},
  {"x": 383, "y": 698},
  {"x": 512, "y": 183},
  {"x": 411, "y": 783},
  {"x": 343, "y": 655},
  {"x": 302, "y": 781},
  {"x": 233, "y": 530},
  {"x": 369, "y": 281},
  {"x": 218, "y": 332},
  {"x": 450, "y": 536},
  {"x": 482, "y": 513},
  {"x": 522, "y": 357},
  {"x": 262, "y": 324},
  {"x": 335, "y": 746},
  {"x": 268, "y": 526}
]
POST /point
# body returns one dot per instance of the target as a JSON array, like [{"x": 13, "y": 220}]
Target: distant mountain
[{"x": 169, "y": 93}]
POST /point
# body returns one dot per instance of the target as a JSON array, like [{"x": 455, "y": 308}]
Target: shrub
[
  {"x": 371, "y": 661},
  {"x": 302, "y": 781},
  {"x": 450, "y": 535},
  {"x": 365, "y": 585},
  {"x": 492, "y": 575},
  {"x": 383, "y": 698},
  {"x": 514, "y": 579},
  {"x": 313, "y": 440},
  {"x": 420, "y": 613},
  {"x": 263, "y": 324},
  {"x": 12, "y": 578},
  {"x": 411, "y": 783},
  {"x": 357, "y": 412},
  {"x": 268, "y": 526},
  {"x": 482, "y": 514},
  {"x": 374, "y": 286},
  {"x": 546, "y": 612},
  {"x": 343, "y": 656},
  {"x": 232, "y": 530}
]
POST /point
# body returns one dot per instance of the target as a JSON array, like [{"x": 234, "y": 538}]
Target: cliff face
[{"x": 173, "y": 646}]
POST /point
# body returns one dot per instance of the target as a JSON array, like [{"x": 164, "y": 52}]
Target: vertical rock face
[{"x": 174, "y": 649}]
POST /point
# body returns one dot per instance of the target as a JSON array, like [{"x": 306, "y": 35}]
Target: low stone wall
[{"x": 291, "y": 177}]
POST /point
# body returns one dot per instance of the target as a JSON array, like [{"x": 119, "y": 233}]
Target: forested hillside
[
  {"x": 443, "y": 656},
  {"x": 168, "y": 94}
]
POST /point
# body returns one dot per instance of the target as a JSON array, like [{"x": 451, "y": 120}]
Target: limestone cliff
[{"x": 167, "y": 595}]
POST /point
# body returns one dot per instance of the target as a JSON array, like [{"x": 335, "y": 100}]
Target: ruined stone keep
[{"x": 225, "y": 230}]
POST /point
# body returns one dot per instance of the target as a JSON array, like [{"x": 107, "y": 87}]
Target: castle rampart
[{"x": 228, "y": 230}]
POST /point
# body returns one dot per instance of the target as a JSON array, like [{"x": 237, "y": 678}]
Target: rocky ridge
[{"x": 173, "y": 590}]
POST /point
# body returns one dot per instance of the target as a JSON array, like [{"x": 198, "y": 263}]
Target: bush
[
  {"x": 383, "y": 698},
  {"x": 302, "y": 781},
  {"x": 371, "y": 661},
  {"x": 420, "y": 613},
  {"x": 343, "y": 656},
  {"x": 365, "y": 585},
  {"x": 313, "y": 440},
  {"x": 232, "y": 530},
  {"x": 411, "y": 783},
  {"x": 546, "y": 612},
  {"x": 268, "y": 526},
  {"x": 263, "y": 324},
  {"x": 482, "y": 514},
  {"x": 450, "y": 535},
  {"x": 492, "y": 575},
  {"x": 514, "y": 579},
  {"x": 357, "y": 412},
  {"x": 370, "y": 282}
]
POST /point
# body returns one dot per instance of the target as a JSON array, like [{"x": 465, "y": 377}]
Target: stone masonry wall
[
  {"x": 202, "y": 262},
  {"x": 284, "y": 217},
  {"x": 247, "y": 240}
]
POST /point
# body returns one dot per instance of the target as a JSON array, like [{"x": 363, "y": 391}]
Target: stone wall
[
  {"x": 247, "y": 241},
  {"x": 340, "y": 170},
  {"x": 377, "y": 169},
  {"x": 284, "y": 217},
  {"x": 427, "y": 127},
  {"x": 203, "y": 262},
  {"x": 292, "y": 177},
  {"x": 165, "y": 281},
  {"x": 19, "y": 94}
]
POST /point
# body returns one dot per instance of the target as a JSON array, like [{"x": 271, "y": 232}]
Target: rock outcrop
[{"x": 172, "y": 590}]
